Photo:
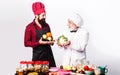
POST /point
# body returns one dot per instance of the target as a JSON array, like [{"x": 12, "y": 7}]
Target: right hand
[{"x": 46, "y": 42}]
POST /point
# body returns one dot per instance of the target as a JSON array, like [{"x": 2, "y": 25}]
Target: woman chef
[
  {"x": 78, "y": 38},
  {"x": 33, "y": 36}
]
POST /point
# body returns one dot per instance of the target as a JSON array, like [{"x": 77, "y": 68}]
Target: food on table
[
  {"x": 54, "y": 73},
  {"x": 23, "y": 65},
  {"x": 78, "y": 69},
  {"x": 45, "y": 66},
  {"x": 30, "y": 66},
  {"x": 73, "y": 69},
  {"x": 81, "y": 72},
  {"x": 66, "y": 67},
  {"x": 38, "y": 66},
  {"x": 19, "y": 71},
  {"x": 32, "y": 73},
  {"x": 22, "y": 69},
  {"x": 61, "y": 66},
  {"x": 86, "y": 67},
  {"x": 90, "y": 69}
]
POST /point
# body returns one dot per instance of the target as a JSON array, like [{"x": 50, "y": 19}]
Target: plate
[
  {"x": 65, "y": 70},
  {"x": 54, "y": 69}
]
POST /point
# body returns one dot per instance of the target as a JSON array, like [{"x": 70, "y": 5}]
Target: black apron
[{"x": 43, "y": 52}]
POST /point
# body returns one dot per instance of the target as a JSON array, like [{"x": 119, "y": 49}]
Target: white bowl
[
  {"x": 88, "y": 72},
  {"x": 54, "y": 69}
]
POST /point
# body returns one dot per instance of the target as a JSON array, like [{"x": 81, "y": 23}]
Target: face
[
  {"x": 71, "y": 25},
  {"x": 41, "y": 19},
  {"x": 41, "y": 16}
]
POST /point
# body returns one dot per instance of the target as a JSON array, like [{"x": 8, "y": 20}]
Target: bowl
[
  {"x": 54, "y": 69},
  {"x": 88, "y": 72},
  {"x": 79, "y": 74}
]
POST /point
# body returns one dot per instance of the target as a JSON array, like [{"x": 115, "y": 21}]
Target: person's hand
[
  {"x": 61, "y": 45},
  {"x": 51, "y": 42},
  {"x": 65, "y": 45},
  {"x": 46, "y": 42},
  {"x": 41, "y": 41}
]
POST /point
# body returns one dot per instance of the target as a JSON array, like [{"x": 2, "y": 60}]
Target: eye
[{"x": 43, "y": 15}]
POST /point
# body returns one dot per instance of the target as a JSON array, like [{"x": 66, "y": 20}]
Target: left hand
[{"x": 64, "y": 45}]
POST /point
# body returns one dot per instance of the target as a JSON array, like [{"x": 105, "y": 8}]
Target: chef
[
  {"x": 33, "y": 36},
  {"x": 75, "y": 48}
]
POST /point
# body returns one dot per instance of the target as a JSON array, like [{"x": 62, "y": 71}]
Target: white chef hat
[{"x": 76, "y": 18}]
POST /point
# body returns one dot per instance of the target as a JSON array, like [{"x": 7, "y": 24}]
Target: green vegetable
[
  {"x": 62, "y": 39},
  {"x": 61, "y": 67}
]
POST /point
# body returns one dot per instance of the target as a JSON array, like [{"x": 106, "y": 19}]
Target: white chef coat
[{"x": 77, "y": 49}]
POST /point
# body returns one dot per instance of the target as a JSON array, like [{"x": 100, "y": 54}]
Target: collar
[{"x": 73, "y": 31}]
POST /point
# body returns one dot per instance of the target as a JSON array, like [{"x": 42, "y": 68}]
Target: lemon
[{"x": 44, "y": 36}]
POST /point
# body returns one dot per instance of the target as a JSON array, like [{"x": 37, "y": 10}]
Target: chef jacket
[{"x": 76, "y": 52}]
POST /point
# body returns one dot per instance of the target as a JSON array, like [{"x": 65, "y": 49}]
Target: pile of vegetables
[{"x": 47, "y": 36}]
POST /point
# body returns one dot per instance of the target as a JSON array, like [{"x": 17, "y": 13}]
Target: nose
[{"x": 68, "y": 25}]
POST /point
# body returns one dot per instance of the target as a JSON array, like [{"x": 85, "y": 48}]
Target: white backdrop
[{"x": 101, "y": 19}]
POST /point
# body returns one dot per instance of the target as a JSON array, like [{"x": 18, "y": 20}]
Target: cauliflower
[{"x": 62, "y": 39}]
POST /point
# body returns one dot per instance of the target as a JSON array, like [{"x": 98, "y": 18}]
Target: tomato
[
  {"x": 90, "y": 69},
  {"x": 86, "y": 67}
]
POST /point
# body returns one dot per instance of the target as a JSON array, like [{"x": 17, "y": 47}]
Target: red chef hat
[{"x": 38, "y": 8}]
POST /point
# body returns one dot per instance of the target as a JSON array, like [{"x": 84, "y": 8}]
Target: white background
[{"x": 101, "y": 19}]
